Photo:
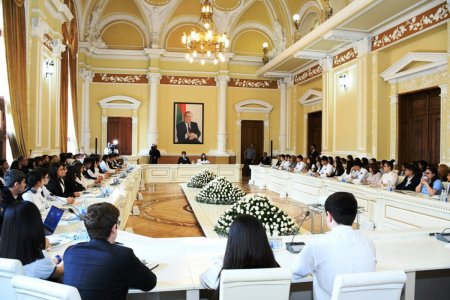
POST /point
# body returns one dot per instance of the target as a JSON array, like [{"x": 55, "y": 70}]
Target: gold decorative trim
[
  {"x": 236, "y": 5},
  {"x": 344, "y": 57},
  {"x": 48, "y": 42},
  {"x": 187, "y": 80},
  {"x": 416, "y": 24},
  {"x": 252, "y": 83},
  {"x": 308, "y": 74},
  {"x": 119, "y": 78},
  {"x": 157, "y": 3}
]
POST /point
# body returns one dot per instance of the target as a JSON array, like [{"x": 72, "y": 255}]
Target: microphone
[
  {"x": 296, "y": 247},
  {"x": 78, "y": 214}
]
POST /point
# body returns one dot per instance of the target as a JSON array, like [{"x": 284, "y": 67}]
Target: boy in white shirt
[
  {"x": 359, "y": 174},
  {"x": 300, "y": 167},
  {"x": 327, "y": 169},
  {"x": 341, "y": 251}
]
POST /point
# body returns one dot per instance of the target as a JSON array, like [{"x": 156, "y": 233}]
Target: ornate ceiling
[{"x": 159, "y": 24}]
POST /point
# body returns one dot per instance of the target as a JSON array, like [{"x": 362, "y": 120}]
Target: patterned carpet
[{"x": 166, "y": 213}]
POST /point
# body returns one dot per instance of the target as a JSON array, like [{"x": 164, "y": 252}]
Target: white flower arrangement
[
  {"x": 261, "y": 207},
  {"x": 201, "y": 179},
  {"x": 220, "y": 191}
]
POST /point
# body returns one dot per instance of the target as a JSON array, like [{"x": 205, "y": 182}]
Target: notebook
[{"x": 51, "y": 221}]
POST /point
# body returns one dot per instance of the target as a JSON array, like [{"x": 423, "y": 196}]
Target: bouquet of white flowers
[
  {"x": 220, "y": 191},
  {"x": 260, "y": 206},
  {"x": 201, "y": 179}
]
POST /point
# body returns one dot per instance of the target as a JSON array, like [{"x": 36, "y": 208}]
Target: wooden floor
[{"x": 165, "y": 211}]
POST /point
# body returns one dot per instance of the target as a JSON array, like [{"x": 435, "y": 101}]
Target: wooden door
[
  {"x": 314, "y": 131},
  {"x": 252, "y": 132},
  {"x": 419, "y": 126},
  {"x": 120, "y": 129}
]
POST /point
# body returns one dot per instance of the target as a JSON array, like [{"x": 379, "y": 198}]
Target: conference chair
[
  {"x": 29, "y": 288},
  {"x": 8, "y": 269},
  {"x": 369, "y": 286},
  {"x": 261, "y": 284}
]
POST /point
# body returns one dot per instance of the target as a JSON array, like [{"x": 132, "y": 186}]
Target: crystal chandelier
[{"x": 206, "y": 43}]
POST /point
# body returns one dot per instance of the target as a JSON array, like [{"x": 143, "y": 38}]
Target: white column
[
  {"x": 152, "y": 133},
  {"x": 394, "y": 127},
  {"x": 86, "y": 76},
  {"x": 283, "y": 114},
  {"x": 445, "y": 126},
  {"x": 134, "y": 136},
  {"x": 222, "y": 84},
  {"x": 327, "y": 104}
]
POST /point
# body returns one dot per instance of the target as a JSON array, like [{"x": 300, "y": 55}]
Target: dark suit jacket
[
  {"x": 266, "y": 161},
  {"x": 182, "y": 131},
  {"x": 183, "y": 161},
  {"x": 412, "y": 185},
  {"x": 100, "y": 270},
  {"x": 55, "y": 188}
]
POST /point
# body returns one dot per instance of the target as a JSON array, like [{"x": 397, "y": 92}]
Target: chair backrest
[
  {"x": 8, "y": 269},
  {"x": 369, "y": 286},
  {"x": 29, "y": 288},
  {"x": 261, "y": 284}
]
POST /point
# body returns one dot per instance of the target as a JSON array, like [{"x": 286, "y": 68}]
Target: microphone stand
[{"x": 290, "y": 245}]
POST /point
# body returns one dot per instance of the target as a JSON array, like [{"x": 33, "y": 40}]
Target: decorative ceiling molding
[
  {"x": 125, "y": 18},
  {"x": 241, "y": 28},
  {"x": 311, "y": 97},
  {"x": 253, "y": 83},
  {"x": 436, "y": 62},
  {"x": 421, "y": 22},
  {"x": 344, "y": 35},
  {"x": 316, "y": 55},
  {"x": 109, "y": 102},
  {"x": 344, "y": 57},
  {"x": 173, "y": 24},
  {"x": 263, "y": 106},
  {"x": 308, "y": 74},
  {"x": 188, "y": 80}
]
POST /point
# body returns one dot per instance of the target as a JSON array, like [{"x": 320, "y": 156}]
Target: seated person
[
  {"x": 101, "y": 269},
  {"x": 300, "y": 166},
  {"x": 12, "y": 191},
  {"x": 338, "y": 167},
  {"x": 326, "y": 170},
  {"x": 265, "y": 160},
  {"x": 88, "y": 173},
  {"x": 183, "y": 159},
  {"x": 374, "y": 176},
  {"x": 359, "y": 174},
  {"x": 74, "y": 178},
  {"x": 203, "y": 159},
  {"x": 33, "y": 192},
  {"x": 430, "y": 184},
  {"x": 46, "y": 194},
  {"x": 104, "y": 165},
  {"x": 403, "y": 169},
  {"x": 247, "y": 248},
  {"x": 411, "y": 180},
  {"x": 57, "y": 185},
  {"x": 286, "y": 163},
  {"x": 310, "y": 165},
  {"x": 23, "y": 238},
  {"x": 293, "y": 163},
  {"x": 389, "y": 176},
  {"x": 280, "y": 162},
  {"x": 341, "y": 251},
  {"x": 4, "y": 166},
  {"x": 443, "y": 171}
]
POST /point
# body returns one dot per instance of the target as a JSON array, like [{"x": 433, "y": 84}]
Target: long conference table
[{"x": 182, "y": 260}]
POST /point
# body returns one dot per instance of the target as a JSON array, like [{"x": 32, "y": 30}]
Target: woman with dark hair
[
  {"x": 374, "y": 175},
  {"x": 411, "y": 180},
  {"x": 74, "y": 178},
  {"x": 23, "y": 238},
  {"x": 348, "y": 169},
  {"x": 365, "y": 162},
  {"x": 247, "y": 248},
  {"x": 430, "y": 184},
  {"x": 57, "y": 184},
  {"x": 443, "y": 171},
  {"x": 33, "y": 192},
  {"x": 310, "y": 165},
  {"x": 203, "y": 159},
  {"x": 87, "y": 171},
  {"x": 403, "y": 169},
  {"x": 338, "y": 167},
  {"x": 422, "y": 166}
]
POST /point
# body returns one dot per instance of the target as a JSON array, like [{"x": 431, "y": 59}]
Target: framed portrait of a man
[{"x": 188, "y": 123}]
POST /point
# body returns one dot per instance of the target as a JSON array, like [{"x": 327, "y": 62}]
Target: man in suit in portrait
[
  {"x": 101, "y": 268},
  {"x": 187, "y": 131}
]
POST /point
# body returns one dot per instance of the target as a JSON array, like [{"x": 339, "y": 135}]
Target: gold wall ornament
[{"x": 19, "y": 3}]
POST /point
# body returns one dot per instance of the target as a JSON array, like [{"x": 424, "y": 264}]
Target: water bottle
[
  {"x": 84, "y": 207},
  {"x": 389, "y": 186}
]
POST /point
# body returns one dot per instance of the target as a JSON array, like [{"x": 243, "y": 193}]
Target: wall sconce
[
  {"x": 344, "y": 81},
  {"x": 49, "y": 68},
  {"x": 265, "y": 58},
  {"x": 296, "y": 19}
]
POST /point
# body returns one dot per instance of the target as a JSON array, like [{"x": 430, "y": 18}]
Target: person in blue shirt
[{"x": 430, "y": 184}]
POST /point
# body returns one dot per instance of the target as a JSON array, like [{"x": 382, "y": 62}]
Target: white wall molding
[
  {"x": 109, "y": 102},
  {"x": 311, "y": 97},
  {"x": 242, "y": 107}
]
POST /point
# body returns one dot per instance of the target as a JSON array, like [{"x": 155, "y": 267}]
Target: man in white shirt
[
  {"x": 300, "y": 167},
  {"x": 359, "y": 174},
  {"x": 327, "y": 169},
  {"x": 341, "y": 251}
]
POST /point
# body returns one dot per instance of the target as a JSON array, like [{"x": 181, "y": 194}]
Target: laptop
[{"x": 51, "y": 221}]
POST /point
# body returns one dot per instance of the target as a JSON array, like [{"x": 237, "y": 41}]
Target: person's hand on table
[
  {"x": 77, "y": 194},
  {"x": 70, "y": 200}
]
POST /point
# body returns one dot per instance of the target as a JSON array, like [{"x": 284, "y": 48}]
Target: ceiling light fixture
[{"x": 206, "y": 43}]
